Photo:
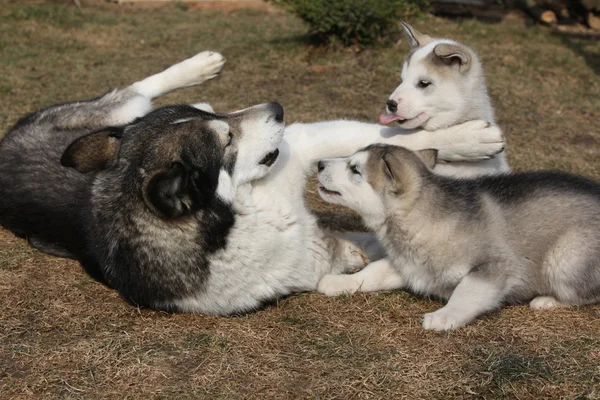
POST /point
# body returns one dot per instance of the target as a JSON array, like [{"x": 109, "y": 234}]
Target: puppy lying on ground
[{"x": 478, "y": 242}]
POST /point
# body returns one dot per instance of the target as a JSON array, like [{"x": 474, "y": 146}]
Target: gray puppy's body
[{"x": 478, "y": 242}]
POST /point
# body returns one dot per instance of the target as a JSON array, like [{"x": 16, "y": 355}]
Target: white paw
[
  {"x": 204, "y": 107},
  {"x": 474, "y": 141},
  {"x": 335, "y": 285},
  {"x": 544, "y": 303},
  {"x": 202, "y": 67},
  {"x": 442, "y": 320}
]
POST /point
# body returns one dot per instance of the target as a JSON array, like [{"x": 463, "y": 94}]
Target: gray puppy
[{"x": 478, "y": 242}]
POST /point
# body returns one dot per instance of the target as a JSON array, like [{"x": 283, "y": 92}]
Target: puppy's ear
[
  {"x": 414, "y": 37},
  {"x": 393, "y": 169},
  {"x": 428, "y": 156},
  {"x": 454, "y": 54},
  {"x": 166, "y": 192},
  {"x": 92, "y": 152}
]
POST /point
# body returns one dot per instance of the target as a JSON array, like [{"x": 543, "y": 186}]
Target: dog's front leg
[
  {"x": 470, "y": 141},
  {"x": 472, "y": 297},
  {"x": 473, "y": 140},
  {"x": 379, "y": 275}
]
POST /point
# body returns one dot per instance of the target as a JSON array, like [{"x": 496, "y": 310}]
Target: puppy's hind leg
[{"x": 546, "y": 303}]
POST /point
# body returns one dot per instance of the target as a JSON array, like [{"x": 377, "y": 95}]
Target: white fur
[
  {"x": 471, "y": 298},
  {"x": 379, "y": 275},
  {"x": 193, "y": 71},
  {"x": 276, "y": 246},
  {"x": 545, "y": 303}
]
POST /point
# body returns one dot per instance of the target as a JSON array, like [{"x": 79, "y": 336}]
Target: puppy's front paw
[
  {"x": 335, "y": 285},
  {"x": 442, "y": 320}
]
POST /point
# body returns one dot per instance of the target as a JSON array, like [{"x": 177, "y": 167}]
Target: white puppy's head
[
  {"x": 375, "y": 180},
  {"x": 442, "y": 85}
]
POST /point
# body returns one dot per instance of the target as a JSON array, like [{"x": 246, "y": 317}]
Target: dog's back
[
  {"x": 538, "y": 230},
  {"x": 40, "y": 198}
]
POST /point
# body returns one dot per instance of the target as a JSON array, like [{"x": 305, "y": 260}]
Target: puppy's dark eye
[
  {"x": 423, "y": 84},
  {"x": 229, "y": 139},
  {"x": 354, "y": 170}
]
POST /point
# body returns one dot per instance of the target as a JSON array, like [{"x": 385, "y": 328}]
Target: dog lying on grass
[
  {"x": 479, "y": 242},
  {"x": 183, "y": 209}
]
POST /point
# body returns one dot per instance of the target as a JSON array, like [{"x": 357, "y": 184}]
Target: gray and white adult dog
[
  {"x": 478, "y": 242},
  {"x": 183, "y": 209}
]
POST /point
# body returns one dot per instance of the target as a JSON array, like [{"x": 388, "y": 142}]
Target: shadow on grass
[{"x": 578, "y": 42}]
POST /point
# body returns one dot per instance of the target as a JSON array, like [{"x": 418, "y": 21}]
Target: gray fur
[{"x": 479, "y": 242}]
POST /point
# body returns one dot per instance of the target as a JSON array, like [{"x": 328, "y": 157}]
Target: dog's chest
[{"x": 424, "y": 263}]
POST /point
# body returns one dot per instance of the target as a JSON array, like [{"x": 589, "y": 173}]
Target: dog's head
[
  {"x": 440, "y": 78},
  {"x": 375, "y": 179},
  {"x": 181, "y": 158}
]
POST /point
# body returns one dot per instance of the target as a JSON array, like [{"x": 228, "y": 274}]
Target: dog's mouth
[
  {"x": 270, "y": 158},
  {"x": 327, "y": 191},
  {"x": 389, "y": 118}
]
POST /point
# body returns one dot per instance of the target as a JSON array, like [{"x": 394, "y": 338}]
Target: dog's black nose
[
  {"x": 277, "y": 111},
  {"x": 392, "y": 105},
  {"x": 321, "y": 166}
]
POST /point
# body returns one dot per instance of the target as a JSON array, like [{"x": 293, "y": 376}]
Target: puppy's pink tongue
[{"x": 386, "y": 118}]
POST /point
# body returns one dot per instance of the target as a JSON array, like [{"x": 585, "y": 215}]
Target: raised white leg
[
  {"x": 193, "y": 71},
  {"x": 378, "y": 275},
  {"x": 472, "y": 297}
]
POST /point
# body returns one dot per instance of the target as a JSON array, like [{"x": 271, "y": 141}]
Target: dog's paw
[
  {"x": 474, "y": 141},
  {"x": 204, "y": 107},
  {"x": 545, "y": 303},
  {"x": 442, "y": 320},
  {"x": 202, "y": 67},
  {"x": 335, "y": 285}
]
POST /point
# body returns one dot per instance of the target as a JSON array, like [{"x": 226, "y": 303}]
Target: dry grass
[{"x": 62, "y": 335}]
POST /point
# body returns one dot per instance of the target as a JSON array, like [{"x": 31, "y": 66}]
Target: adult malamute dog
[
  {"x": 186, "y": 210},
  {"x": 477, "y": 242}
]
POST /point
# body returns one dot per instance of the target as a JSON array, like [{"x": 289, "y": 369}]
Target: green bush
[{"x": 353, "y": 21}]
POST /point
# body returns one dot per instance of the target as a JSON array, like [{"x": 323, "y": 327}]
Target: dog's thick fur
[
  {"x": 477, "y": 242},
  {"x": 182, "y": 209}
]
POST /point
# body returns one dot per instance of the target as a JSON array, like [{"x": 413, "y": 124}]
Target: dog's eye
[
  {"x": 354, "y": 170},
  {"x": 229, "y": 139},
  {"x": 423, "y": 84}
]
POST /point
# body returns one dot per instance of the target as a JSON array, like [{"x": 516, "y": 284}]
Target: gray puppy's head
[
  {"x": 375, "y": 180},
  {"x": 180, "y": 157}
]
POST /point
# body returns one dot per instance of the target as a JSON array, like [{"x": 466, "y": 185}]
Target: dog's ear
[
  {"x": 166, "y": 192},
  {"x": 454, "y": 54},
  {"x": 428, "y": 156},
  {"x": 92, "y": 152},
  {"x": 414, "y": 37},
  {"x": 178, "y": 191}
]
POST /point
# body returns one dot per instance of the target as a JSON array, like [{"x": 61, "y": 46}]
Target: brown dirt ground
[{"x": 65, "y": 336}]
